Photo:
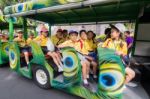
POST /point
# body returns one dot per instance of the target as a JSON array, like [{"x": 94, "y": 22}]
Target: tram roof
[{"x": 54, "y": 12}]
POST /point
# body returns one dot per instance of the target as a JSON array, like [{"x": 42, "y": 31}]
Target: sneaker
[
  {"x": 85, "y": 83},
  {"x": 60, "y": 69},
  {"x": 95, "y": 76},
  {"x": 131, "y": 84}
]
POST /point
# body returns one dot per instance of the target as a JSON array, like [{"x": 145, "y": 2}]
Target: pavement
[{"x": 13, "y": 86}]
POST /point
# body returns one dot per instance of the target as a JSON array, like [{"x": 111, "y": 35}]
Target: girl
[
  {"x": 117, "y": 43},
  {"x": 24, "y": 48},
  {"x": 44, "y": 41}
]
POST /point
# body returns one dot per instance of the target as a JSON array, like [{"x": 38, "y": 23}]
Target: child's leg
[
  {"x": 130, "y": 74},
  {"x": 53, "y": 55},
  {"x": 26, "y": 54},
  {"x": 58, "y": 58},
  {"x": 54, "y": 58},
  {"x": 94, "y": 64},
  {"x": 87, "y": 68},
  {"x": 84, "y": 72}
]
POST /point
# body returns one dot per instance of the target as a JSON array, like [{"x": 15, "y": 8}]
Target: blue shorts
[
  {"x": 25, "y": 49},
  {"x": 93, "y": 55}
]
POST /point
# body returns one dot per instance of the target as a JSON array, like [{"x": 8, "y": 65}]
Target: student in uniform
[
  {"x": 117, "y": 43},
  {"x": 92, "y": 49},
  {"x": 24, "y": 48},
  {"x": 1, "y": 36},
  {"x": 85, "y": 51},
  {"x": 30, "y": 39},
  {"x": 58, "y": 37},
  {"x": 48, "y": 48},
  {"x": 4, "y": 38},
  {"x": 65, "y": 35},
  {"x": 75, "y": 43}
]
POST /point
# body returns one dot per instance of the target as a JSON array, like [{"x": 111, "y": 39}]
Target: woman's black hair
[
  {"x": 108, "y": 33},
  {"x": 65, "y": 31},
  {"x": 128, "y": 32},
  {"x": 94, "y": 35},
  {"x": 82, "y": 32}
]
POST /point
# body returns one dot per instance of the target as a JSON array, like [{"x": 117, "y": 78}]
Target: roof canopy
[
  {"x": 58, "y": 12},
  {"x": 18, "y": 22}
]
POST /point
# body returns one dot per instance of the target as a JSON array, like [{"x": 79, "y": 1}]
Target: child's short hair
[
  {"x": 82, "y": 32},
  {"x": 65, "y": 31},
  {"x": 128, "y": 32},
  {"x": 73, "y": 32},
  {"x": 31, "y": 34}
]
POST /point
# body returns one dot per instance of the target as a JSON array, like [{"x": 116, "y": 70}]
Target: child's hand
[{"x": 118, "y": 53}]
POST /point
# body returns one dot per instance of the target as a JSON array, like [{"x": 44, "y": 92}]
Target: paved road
[{"x": 13, "y": 86}]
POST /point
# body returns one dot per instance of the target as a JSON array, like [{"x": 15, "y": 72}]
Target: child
[
  {"x": 73, "y": 42},
  {"x": 85, "y": 50},
  {"x": 30, "y": 39},
  {"x": 58, "y": 37},
  {"x": 117, "y": 43},
  {"x": 43, "y": 39},
  {"x": 22, "y": 45},
  {"x": 4, "y": 38}
]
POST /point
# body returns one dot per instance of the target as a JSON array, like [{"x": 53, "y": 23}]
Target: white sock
[
  {"x": 94, "y": 76},
  {"x": 60, "y": 69},
  {"x": 85, "y": 81},
  {"x": 61, "y": 65}
]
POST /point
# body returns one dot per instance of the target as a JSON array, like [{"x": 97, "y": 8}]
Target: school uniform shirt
[
  {"x": 92, "y": 45},
  {"x": 29, "y": 40},
  {"x": 84, "y": 47},
  {"x": 42, "y": 40},
  {"x": 70, "y": 43},
  {"x": 117, "y": 45},
  {"x": 20, "y": 41},
  {"x": 56, "y": 41}
]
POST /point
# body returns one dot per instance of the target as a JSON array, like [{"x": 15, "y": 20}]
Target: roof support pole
[
  {"x": 135, "y": 36},
  {"x": 25, "y": 28},
  {"x": 11, "y": 29},
  {"x": 50, "y": 26}
]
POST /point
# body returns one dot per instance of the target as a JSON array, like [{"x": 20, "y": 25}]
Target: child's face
[
  {"x": 90, "y": 35},
  {"x": 45, "y": 34},
  {"x": 73, "y": 37},
  {"x": 83, "y": 36},
  {"x": 20, "y": 35},
  {"x": 59, "y": 35},
  {"x": 126, "y": 34},
  {"x": 114, "y": 34},
  {"x": 31, "y": 36},
  {"x": 0, "y": 36}
]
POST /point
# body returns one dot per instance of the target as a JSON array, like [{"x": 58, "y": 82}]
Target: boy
[
  {"x": 73, "y": 42},
  {"x": 30, "y": 39},
  {"x": 85, "y": 50},
  {"x": 22, "y": 45}
]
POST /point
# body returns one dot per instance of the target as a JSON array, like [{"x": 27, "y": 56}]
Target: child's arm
[{"x": 65, "y": 44}]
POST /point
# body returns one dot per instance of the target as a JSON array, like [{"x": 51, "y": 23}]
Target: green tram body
[
  {"x": 111, "y": 74},
  {"x": 4, "y": 50},
  {"x": 4, "y": 46}
]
